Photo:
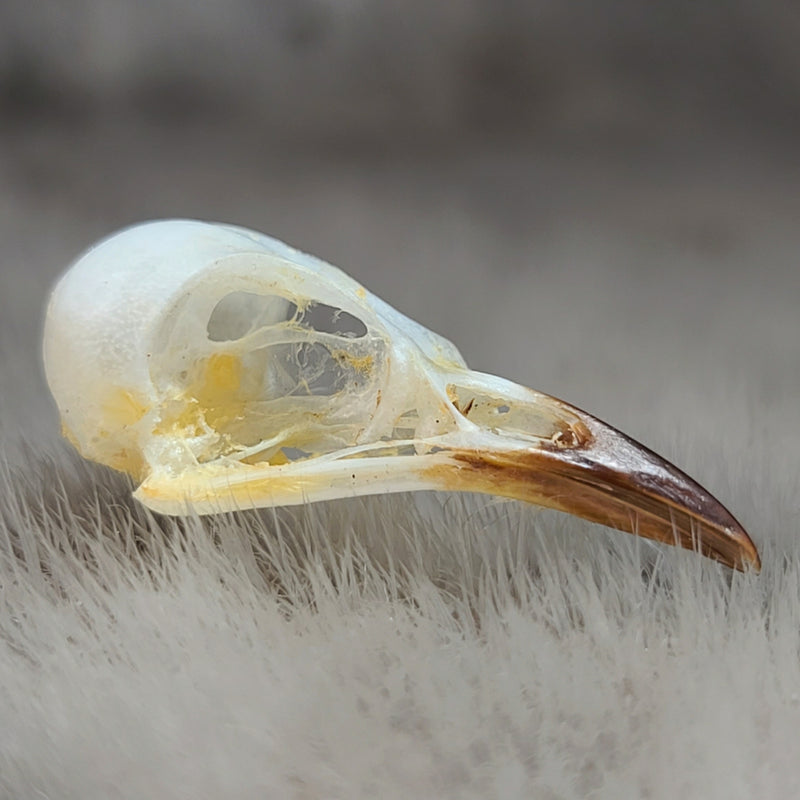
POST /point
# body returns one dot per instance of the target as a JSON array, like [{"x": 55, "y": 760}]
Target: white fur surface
[{"x": 426, "y": 646}]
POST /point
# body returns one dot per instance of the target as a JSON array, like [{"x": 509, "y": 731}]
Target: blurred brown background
[{"x": 599, "y": 199}]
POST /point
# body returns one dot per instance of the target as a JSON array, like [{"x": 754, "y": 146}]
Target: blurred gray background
[{"x": 599, "y": 199}]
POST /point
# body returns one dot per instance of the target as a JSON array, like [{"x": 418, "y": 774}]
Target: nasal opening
[{"x": 513, "y": 417}]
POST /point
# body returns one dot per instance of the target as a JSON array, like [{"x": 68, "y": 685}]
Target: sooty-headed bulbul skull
[{"x": 223, "y": 369}]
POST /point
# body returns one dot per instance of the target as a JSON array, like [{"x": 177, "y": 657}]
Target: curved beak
[{"x": 593, "y": 471}]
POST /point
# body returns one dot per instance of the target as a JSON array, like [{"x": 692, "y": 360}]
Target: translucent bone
[{"x": 223, "y": 369}]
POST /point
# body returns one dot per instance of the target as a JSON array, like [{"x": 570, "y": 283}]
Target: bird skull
[{"x": 223, "y": 369}]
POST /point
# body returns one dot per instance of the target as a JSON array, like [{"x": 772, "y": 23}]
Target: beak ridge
[{"x": 597, "y": 473}]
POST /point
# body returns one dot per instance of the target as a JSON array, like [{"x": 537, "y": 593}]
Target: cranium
[{"x": 223, "y": 369}]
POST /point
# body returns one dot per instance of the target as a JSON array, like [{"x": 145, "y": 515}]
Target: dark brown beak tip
[
  {"x": 749, "y": 559},
  {"x": 730, "y": 546}
]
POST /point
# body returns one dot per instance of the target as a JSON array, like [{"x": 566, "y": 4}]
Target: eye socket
[
  {"x": 239, "y": 314},
  {"x": 274, "y": 341},
  {"x": 329, "y": 319},
  {"x": 288, "y": 373},
  {"x": 304, "y": 369}
]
